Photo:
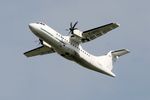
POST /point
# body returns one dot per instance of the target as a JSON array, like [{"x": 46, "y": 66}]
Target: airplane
[{"x": 69, "y": 46}]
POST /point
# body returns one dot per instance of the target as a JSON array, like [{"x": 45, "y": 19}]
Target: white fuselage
[{"x": 67, "y": 48}]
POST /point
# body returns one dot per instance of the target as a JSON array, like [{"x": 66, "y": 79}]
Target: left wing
[
  {"x": 96, "y": 32},
  {"x": 39, "y": 51}
]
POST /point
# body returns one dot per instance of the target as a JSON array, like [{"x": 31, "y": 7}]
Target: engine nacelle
[
  {"x": 78, "y": 33},
  {"x": 46, "y": 44}
]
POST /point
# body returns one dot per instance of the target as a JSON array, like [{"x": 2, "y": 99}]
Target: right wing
[
  {"x": 39, "y": 51},
  {"x": 97, "y": 32}
]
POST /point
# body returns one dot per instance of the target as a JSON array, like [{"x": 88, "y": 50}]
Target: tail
[{"x": 108, "y": 59}]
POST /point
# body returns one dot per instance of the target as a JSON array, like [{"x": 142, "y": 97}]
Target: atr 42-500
[{"x": 70, "y": 46}]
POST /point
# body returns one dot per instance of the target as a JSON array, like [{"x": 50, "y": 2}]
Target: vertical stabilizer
[{"x": 108, "y": 59}]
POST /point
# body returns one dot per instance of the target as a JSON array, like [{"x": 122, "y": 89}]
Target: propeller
[
  {"x": 39, "y": 42},
  {"x": 72, "y": 27}
]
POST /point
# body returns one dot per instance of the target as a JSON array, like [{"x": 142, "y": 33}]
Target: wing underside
[
  {"x": 97, "y": 32},
  {"x": 39, "y": 51}
]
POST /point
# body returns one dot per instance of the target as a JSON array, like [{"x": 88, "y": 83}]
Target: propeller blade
[
  {"x": 68, "y": 33},
  {"x": 67, "y": 29},
  {"x": 75, "y": 24},
  {"x": 41, "y": 41},
  {"x": 71, "y": 25}
]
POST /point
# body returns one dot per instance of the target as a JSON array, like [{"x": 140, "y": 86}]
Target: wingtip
[
  {"x": 25, "y": 54},
  {"x": 128, "y": 51},
  {"x": 113, "y": 75},
  {"x": 117, "y": 24}
]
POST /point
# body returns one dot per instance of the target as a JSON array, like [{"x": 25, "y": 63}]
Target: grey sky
[{"x": 53, "y": 77}]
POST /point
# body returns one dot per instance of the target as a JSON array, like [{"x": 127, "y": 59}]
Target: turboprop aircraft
[{"x": 70, "y": 47}]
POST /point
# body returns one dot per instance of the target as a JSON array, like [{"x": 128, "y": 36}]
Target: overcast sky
[{"x": 52, "y": 77}]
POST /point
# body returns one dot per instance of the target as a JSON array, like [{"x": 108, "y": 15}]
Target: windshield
[{"x": 40, "y": 23}]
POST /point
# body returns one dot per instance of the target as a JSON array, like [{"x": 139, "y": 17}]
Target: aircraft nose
[
  {"x": 31, "y": 26},
  {"x": 34, "y": 28}
]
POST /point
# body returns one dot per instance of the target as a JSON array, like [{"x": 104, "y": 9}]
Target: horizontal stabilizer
[
  {"x": 111, "y": 57},
  {"x": 119, "y": 53}
]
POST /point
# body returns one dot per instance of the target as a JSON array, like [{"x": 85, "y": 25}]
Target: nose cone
[{"x": 31, "y": 26}]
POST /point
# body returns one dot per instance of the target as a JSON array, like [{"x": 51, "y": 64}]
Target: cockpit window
[{"x": 40, "y": 23}]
